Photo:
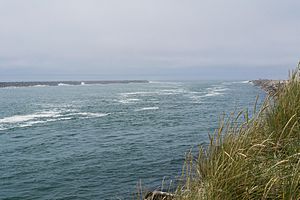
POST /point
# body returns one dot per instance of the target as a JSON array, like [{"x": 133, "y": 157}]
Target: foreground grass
[
  {"x": 257, "y": 158},
  {"x": 249, "y": 158}
]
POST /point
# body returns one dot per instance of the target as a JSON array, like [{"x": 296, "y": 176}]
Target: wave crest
[
  {"x": 146, "y": 108},
  {"x": 19, "y": 121}
]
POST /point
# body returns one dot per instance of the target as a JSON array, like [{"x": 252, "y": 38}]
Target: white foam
[
  {"x": 215, "y": 91},
  {"x": 57, "y": 106},
  {"x": 212, "y": 94},
  {"x": 88, "y": 114},
  {"x": 165, "y": 82},
  {"x": 154, "y": 82},
  {"x": 20, "y": 121},
  {"x": 10, "y": 87},
  {"x": 63, "y": 118},
  {"x": 241, "y": 82},
  {"x": 194, "y": 92},
  {"x": 137, "y": 93},
  {"x": 172, "y": 91},
  {"x": 236, "y": 82},
  {"x": 63, "y": 84},
  {"x": 40, "y": 86},
  {"x": 24, "y": 118},
  {"x": 245, "y": 81},
  {"x": 219, "y": 89},
  {"x": 227, "y": 83},
  {"x": 147, "y": 108},
  {"x": 45, "y": 116},
  {"x": 128, "y": 101},
  {"x": 31, "y": 123},
  {"x": 161, "y": 92},
  {"x": 195, "y": 98}
]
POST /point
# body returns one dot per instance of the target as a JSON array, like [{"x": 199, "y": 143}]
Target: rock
[
  {"x": 158, "y": 195},
  {"x": 270, "y": 86}
]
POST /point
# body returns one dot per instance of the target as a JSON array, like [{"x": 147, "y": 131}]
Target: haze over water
[{"x": 98, "y": 141}]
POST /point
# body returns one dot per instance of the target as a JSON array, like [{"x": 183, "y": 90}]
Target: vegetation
[
  {"x": 254, "y": 157},
  {"x": 250, "y": 158}
]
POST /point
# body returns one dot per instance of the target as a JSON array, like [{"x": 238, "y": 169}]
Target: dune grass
[{"x": 250, "y": 158}]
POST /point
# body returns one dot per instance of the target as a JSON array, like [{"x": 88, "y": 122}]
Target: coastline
[
  {"x": 269, "y": 86},
  {"x": 258, "y": 141},
  {"x": 60, "y": 83}
]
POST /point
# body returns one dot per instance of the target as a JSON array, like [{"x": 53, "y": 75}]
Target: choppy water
[{"x": 98, "y": 141}]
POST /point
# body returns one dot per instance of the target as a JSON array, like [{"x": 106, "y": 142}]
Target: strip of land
[{"x": 58, "y": 83}]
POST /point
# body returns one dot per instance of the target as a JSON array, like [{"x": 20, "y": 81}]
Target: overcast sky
[{"x": 148, "y": 39}]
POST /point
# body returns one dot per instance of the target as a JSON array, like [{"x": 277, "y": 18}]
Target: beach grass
[{"x": 255, "y": 157}]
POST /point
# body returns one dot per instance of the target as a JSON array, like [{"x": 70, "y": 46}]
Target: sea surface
[{"x": 98, "y": 141}]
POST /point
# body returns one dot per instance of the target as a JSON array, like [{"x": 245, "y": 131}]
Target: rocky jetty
[
  {"x": 61, "y": 83},
  {"x": 270, "y": 86}
]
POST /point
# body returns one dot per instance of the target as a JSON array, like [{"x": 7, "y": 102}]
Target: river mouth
[{"x": 92, "y": 141}]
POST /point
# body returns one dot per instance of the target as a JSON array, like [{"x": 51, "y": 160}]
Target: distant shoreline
[{"x": 61, "y": 83}]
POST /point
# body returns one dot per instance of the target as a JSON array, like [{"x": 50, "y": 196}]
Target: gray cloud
[{"x": 155, "y": 39}]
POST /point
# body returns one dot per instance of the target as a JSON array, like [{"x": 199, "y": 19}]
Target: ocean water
[{"x": 98, "y": 141}]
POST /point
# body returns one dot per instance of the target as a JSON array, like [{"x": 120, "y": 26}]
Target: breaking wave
[
  {"x": 19, "y": 121},
  {"x": 91, "y": 115},
  {"x": 146, "y": 108},
  {"x": 63, "y": 84},
  {"x": 128, "y": 101},
  {"x": 215, "y": 91},
  {"x": 236, "y": 82},
  {"x": 24, "y": 118}
]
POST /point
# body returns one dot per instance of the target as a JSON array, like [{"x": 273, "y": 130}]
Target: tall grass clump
[{"x": 250, "y": 158}]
